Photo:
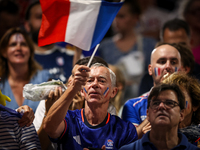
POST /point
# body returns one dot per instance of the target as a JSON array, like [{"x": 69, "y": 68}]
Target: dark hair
[
  {"x": 134, "y": 6},
  {"x": 187, "y": 58},
  {"x": 95, "y": 59},
  {"x": 27, "y": 15},
  {"x": 9, "y": 6},
  {"x": 187, "y": 4},
  {"x": 155, "y": 92},
  {"x": 174, "y": 25},
  {"x": 33, "y": 65}
]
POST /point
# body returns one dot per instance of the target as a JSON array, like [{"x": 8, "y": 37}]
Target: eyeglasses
[{"x": 168, "y": 104}]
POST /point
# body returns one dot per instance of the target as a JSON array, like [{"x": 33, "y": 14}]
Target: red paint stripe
[
  {"x": 54, "y": 21},
  {"x": 159, "y": 71},
  {"x": 197, "y": 140},
  {"x": 64, "y": 130},
  {"x": 82, "y": 115},
  {"x": 108, "y": 118}
]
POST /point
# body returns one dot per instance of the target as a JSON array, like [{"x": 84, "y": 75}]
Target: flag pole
[{"x": 93, "y": 55}]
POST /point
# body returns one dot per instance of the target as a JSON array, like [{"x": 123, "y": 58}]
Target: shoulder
[
  {"x": 185, "y": 143},
  {"x": 9, "y": 114},
  {"x": 139, "y": 101}
]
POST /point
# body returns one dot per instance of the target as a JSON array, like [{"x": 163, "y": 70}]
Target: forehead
[
  {"x": 167, "y": 95},
  {"x": 36, "y": 9},
  {"x": 99, "y": 72},
  {"x": 180, "y": 33},
  {"x": 17, "y": 37},
  {"x": 165, "y": 51}
]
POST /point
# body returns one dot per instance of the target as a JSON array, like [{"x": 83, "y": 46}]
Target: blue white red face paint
[
  {"x": 19, "y": 38},
  {"x": 157, "y": 71},
  {"x": 186, "y": 104},
  {"x": 106, "y": 92}
]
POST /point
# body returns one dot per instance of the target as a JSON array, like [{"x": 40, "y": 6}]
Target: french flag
[
  {"x": 82, "y": 23},
  {"x": 157, "y": 71}
]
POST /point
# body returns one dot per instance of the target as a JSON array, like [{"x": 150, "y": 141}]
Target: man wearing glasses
[{"x": 165, "y": 109}]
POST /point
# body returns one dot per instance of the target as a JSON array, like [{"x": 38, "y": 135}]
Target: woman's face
[{"x": 17, "y": 51}]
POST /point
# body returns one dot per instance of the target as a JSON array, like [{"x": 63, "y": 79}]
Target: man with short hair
[
  {"x": 165, "y": 59},
  {"x": 91, "y": 126},
  {"x": 166, "y": 106}
]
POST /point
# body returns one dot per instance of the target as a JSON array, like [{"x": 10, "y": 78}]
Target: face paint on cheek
[
  {"x": 177, "y": 69},
  {"x": 157, "y": 71},
  {"x": 186, "y": 104},
  {"x": 106, "y": 92},
  {"x": 85, "y": 92}
]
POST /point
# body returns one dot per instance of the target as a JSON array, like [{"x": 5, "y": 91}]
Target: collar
[
  {"x": 182, "y": 145},
  {"x": 105, "y": 121},
  {"x": 11, "y": 111}
]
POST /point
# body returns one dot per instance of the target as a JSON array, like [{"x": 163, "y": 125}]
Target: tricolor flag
[
  {"x": 157, "y": 71},
  {"x": 82, "y": 23}
]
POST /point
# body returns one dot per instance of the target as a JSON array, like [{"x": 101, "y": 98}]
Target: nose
[
  {"x": 18, "y": 46},
  {"x": 168, "y": 66},
  {"x": 95, "y": 83},
  {"x": 161, "y": 106}
]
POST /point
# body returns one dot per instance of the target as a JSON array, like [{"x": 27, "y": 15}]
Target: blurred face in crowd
[
  {"x": 35, "y": 21},
  {"x": 177, "y": 36},
  {"x": 17, "y": 51},
  {"x": 192, "y": 15},
  {"x": 125, "y": 20},
  {"x": 164, "y": 59}
]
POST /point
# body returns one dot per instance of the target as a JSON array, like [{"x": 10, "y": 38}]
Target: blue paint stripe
[
  {"x": 105, "y": 91},
  {"x": 107, "y": 13},
  {"x": 85, "y": 90}
]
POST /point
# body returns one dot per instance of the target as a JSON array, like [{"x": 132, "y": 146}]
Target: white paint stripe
[{"x": 85, "y": 17}]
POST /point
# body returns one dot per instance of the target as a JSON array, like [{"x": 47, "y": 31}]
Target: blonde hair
[
  {"x": 192, "y": 86},
  {"x": 118, "y": 100}
]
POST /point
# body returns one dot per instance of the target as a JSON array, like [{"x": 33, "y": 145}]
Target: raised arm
[{"x": 54, "y": 122}]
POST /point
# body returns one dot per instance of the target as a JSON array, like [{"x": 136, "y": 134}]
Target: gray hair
[{"x": 112, "y": 74}]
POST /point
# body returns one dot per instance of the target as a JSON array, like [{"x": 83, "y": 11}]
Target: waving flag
[{"x": 82, "y": 23}]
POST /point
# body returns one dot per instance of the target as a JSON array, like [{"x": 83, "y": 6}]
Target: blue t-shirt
[
  {"x": 39, "y": 77},
  {"x": 145, "y": 144},
  {"x": 58, "y": 61},
  {"x": 12, "y": 135},
  {"x": 114, "y": 134},
  {"x": 111, "y": 53},
  {"x": 135, "y": 110}
]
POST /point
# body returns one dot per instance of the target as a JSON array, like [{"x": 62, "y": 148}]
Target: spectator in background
[
  {"x": 165, "y": 59},
  {"x": 9, "y": 15},
  {"x": 51, "y": 57},
  {"x": 118, "y": 101},
  {"x": 190, "y": 11},
  {"x": 18, "y": 67},
  {"x": 128, "y": 50},
  {"x": 152, "y": 18},
  {"x": 175, "y": 31},
  {"x": 165, "y": 110}
]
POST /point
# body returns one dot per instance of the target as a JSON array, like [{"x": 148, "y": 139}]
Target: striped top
[{"x": 12, "y": 136}]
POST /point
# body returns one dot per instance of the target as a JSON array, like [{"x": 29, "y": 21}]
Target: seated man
[
  {"x": 91, "y": 126},
  {"x": 166, "y": 106}
]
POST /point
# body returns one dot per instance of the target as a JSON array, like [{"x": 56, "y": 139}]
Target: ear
[
  {"x": 114, "y": 92},
  {"x": 194, "y": 108},
  {"x": 186, "y": 69},
  {"x": 27, "y": 26},
  {"x": 182, "y": 112},
  {"x": 148, "y": 114},
  {"x": 150, "y": 69}
]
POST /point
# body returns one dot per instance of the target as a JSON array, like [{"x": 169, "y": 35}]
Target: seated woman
[{"x": 18, "y": 67}]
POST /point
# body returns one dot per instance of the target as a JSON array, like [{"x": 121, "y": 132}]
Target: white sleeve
[{"x": 39, "y": 115}]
